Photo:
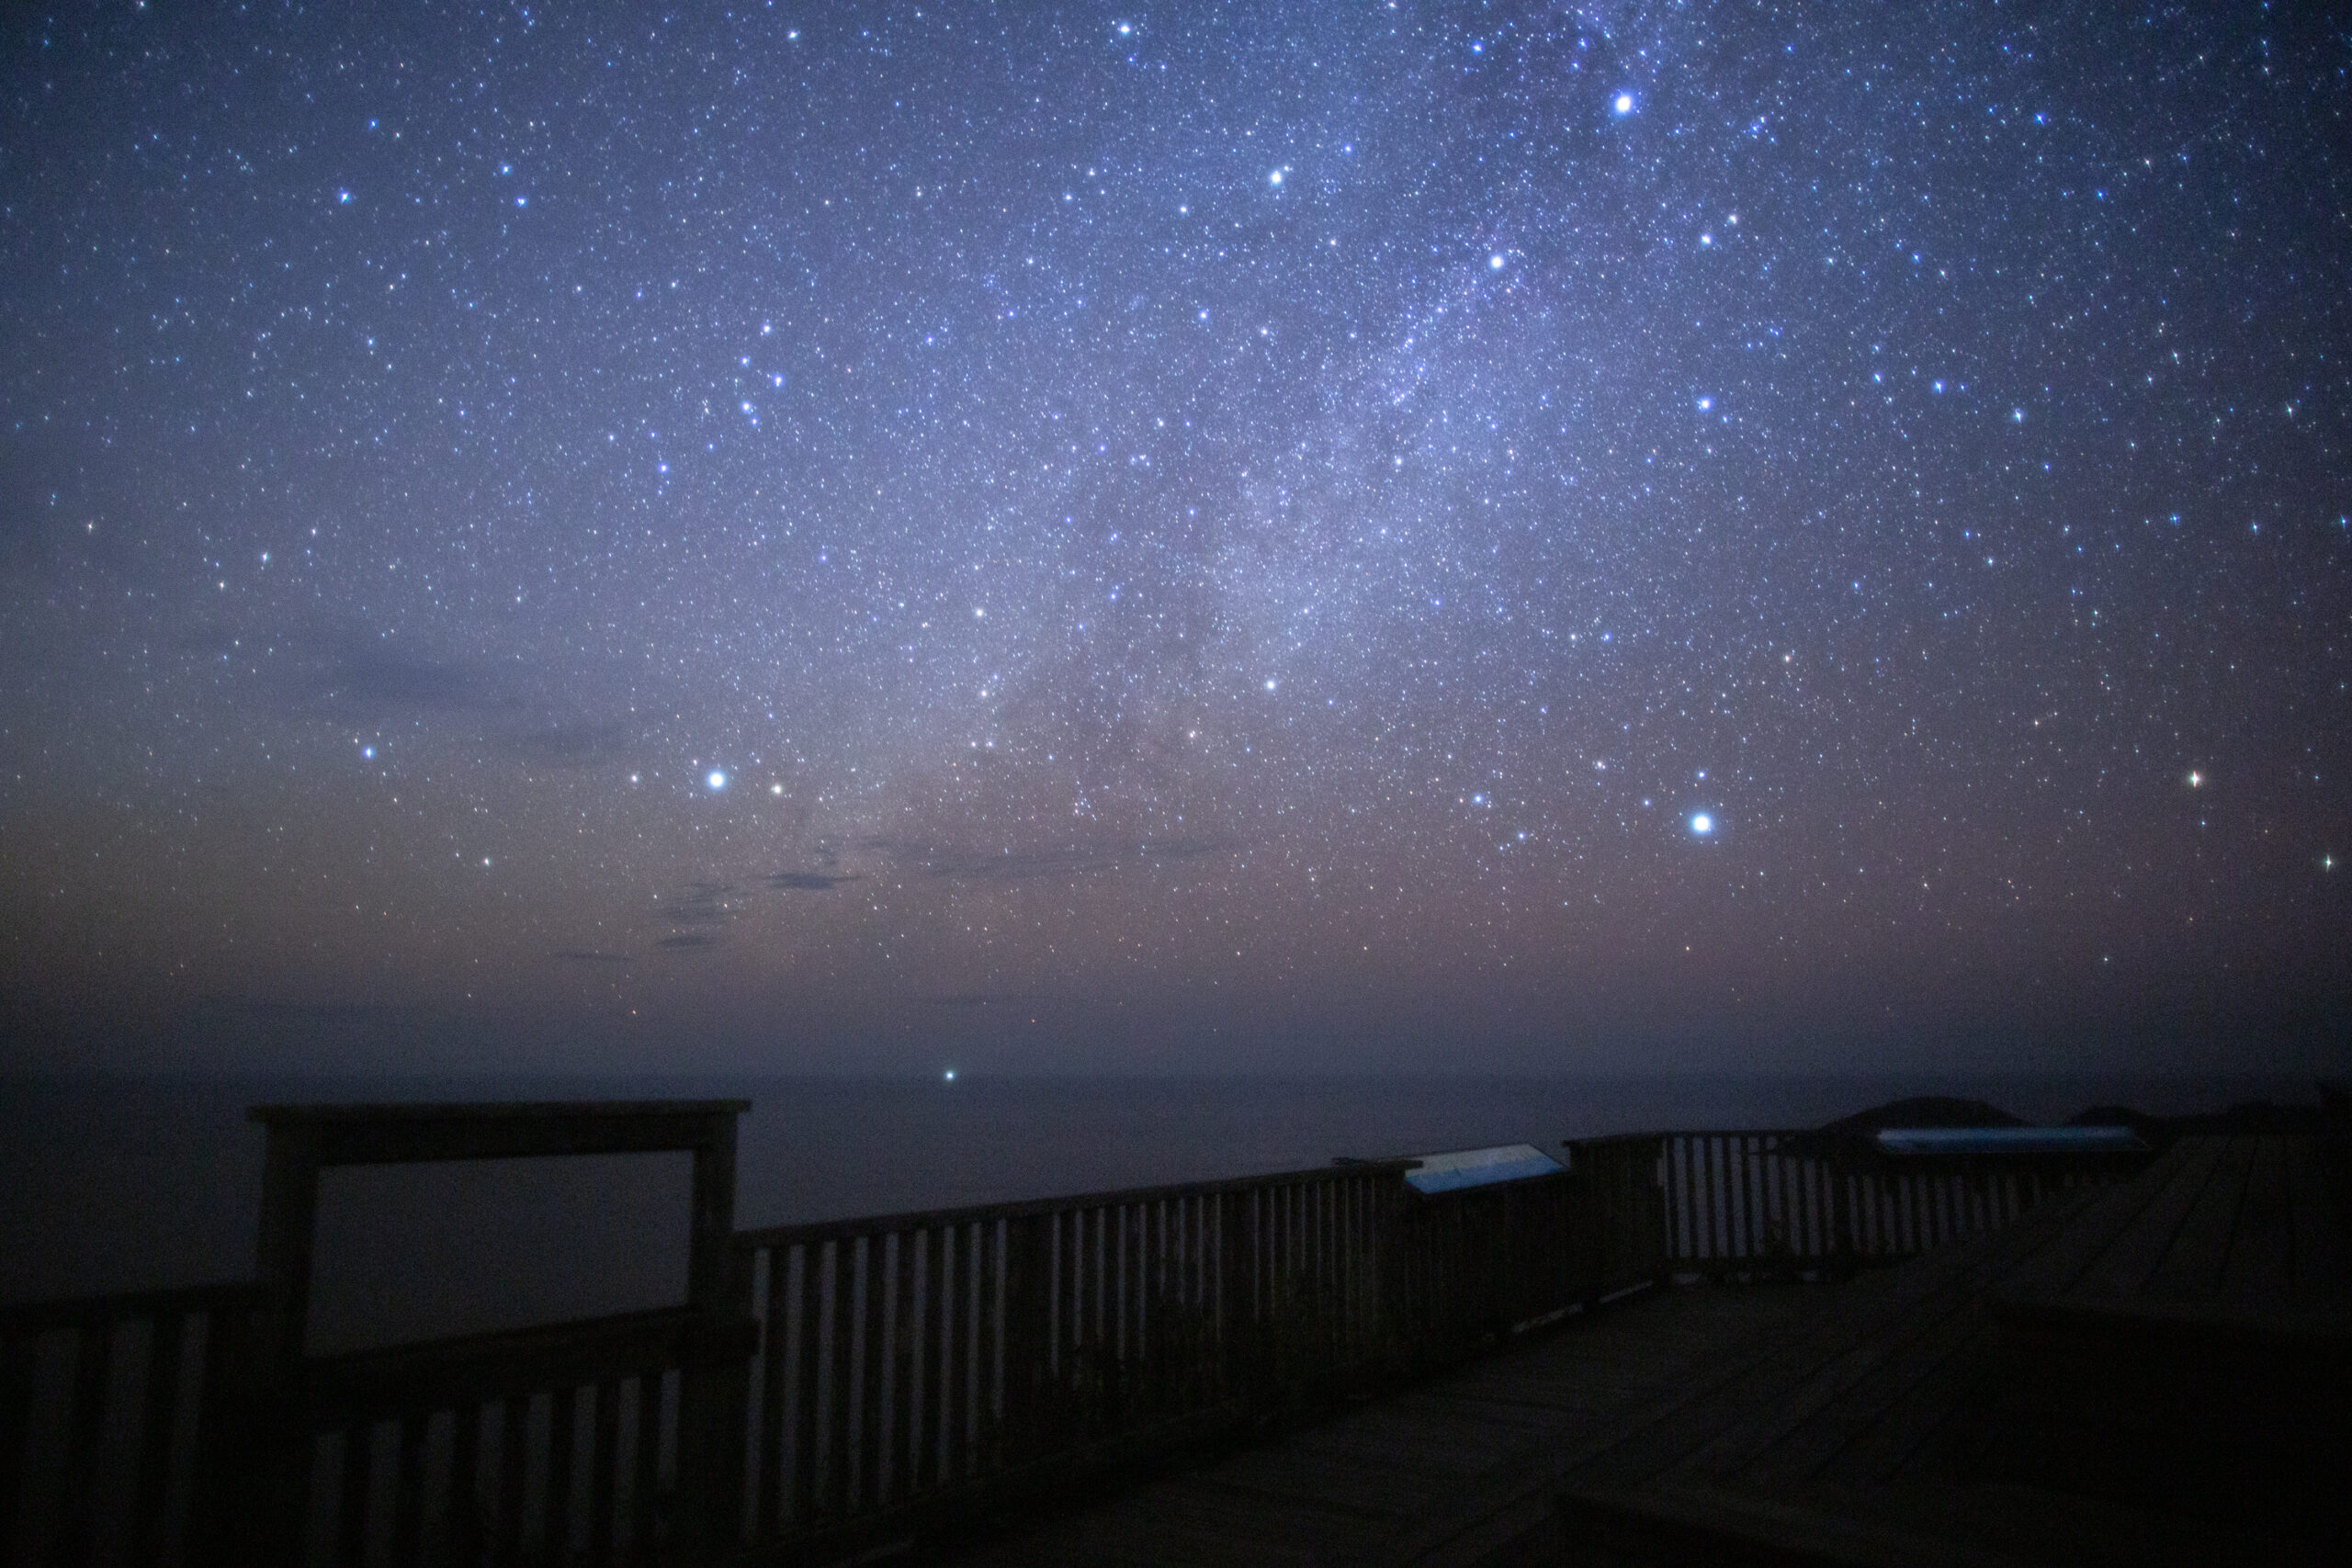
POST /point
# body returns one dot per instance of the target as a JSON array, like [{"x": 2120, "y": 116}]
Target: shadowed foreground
[{"x": 2153, "y": 1373}]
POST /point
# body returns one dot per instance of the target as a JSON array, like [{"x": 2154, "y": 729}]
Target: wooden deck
[
  {"x": 1462, "y": 1462},
  {"x": 1905, "y": 1416}
]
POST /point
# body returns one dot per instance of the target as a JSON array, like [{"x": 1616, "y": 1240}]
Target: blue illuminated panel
[
  {"x": 2009, "y": 1140},
  {"x": 1481, "y": 1167}
]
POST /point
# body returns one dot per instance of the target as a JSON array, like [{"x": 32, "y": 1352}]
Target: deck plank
[
  {"x": 2190, "y": 1269},
  {"x": 1867, "y": 1360},
  {"x": 2122, "y": 1268},
  {"x": 2104, "y": 1215},
  {"x": 2320, "y": 1264},
  {"x": 1757, "y": 1405},
  {"x": 1361, "y": 1481},
  {"x": 2260, "y": 1268}
]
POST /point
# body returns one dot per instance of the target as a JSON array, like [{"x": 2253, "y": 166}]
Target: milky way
[{"x": 1300, "y": 536}]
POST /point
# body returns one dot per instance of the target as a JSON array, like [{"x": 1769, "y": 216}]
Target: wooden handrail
[
  {"x": 114, "y": 1306},
  {"x": 804, "y": 1231},
  {"x": 447, "y": 1374}
]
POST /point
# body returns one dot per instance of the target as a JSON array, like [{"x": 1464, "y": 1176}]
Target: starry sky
[{"x": 1354, "y": 536}]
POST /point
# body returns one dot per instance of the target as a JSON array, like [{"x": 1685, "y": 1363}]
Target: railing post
[
  {"x": 253, "y": 1479},
  {"x": 713, "y": 1406}
]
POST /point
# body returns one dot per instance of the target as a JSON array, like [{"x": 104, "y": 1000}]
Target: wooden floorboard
[
  {"x": 1917, "y": 1366},
  {"x": 1355, "y": 1488},
  {"x": 2319, "y": 1266},
  {"x": 2123, "y": 1267},
  {"x": 2260, "y": 1266},
  {"x": 2106, "y": 1215},
  {"x": 2190, "y": 1269},
  {"x": 1752, "y": 1405}
]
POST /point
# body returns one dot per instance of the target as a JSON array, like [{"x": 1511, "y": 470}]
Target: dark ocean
[{"x": 128, "y": 1185}]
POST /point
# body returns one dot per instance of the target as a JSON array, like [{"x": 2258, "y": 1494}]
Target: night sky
[{"x": 1294, "y": 537}]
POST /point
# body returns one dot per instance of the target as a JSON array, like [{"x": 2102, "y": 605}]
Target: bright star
[
  {"x": 1496, "y": 263},
  {"x": 715, "y": 778},
  {"x": 1625, "y": 103},
  {"x": 1276, "y": 178},
  {"x": 1702, "y": 824}
]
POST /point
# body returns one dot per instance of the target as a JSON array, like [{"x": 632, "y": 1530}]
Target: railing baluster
[
  {"x": 1014, "y": 1319},
  {"x": 1733, "y": 1153},
  {"x": 1694, "y": 1194},
  {"x": 159, "y": 1409},
  {"x": 939, "y": 1338},
  {"x": 93, "y": 1356},
  {"x": 768, "y": 1491},
  {"x": 1702, "y": 1176},
  {"x": 906, "y": 1360},
  {"x": 353, "y": 1498},
  {"x": 1681, "y": 1189},
  {"x": 842, "y": 1417},
  {"x": 984, "y": 1361},
  {"x": 564, "y": 1438},
  {"x": 808, "y": 1361},
  {"x": 1135, "y": 1286},
  {"x": 1727, "y": 1196},
  {"x": 603, "y": 1471},
  {"x": 15, "y": 1433},
  {"x": 1097, "y": 1274},
  {"x": 645, "y": 1516},
  {"x": 514, "y": 1454},
  {"x": 464, "y": 1534},
  {"x": 1739, "y": 1239},
  {"x": 875, "y": 1361},
  {"x": 408, "y": 1490}
]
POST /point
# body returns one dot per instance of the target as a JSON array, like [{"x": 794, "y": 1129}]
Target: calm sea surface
[{"x": 128, "y": 1185}]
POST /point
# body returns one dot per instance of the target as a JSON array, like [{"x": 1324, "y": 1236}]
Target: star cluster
[{"x": 1270, "y": 535}]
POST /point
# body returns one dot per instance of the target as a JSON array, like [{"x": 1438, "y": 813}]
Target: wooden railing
[
  {"x": 559, "y": 1444},
  {"x": 1751, "y": 1203},
  {"x": 831, "y": 1386},
  {"x": 107, "y": 1406},
  {"x": 918, "y": 1360}
]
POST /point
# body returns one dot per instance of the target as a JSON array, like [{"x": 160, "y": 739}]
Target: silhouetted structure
[{"x": 827, "y": 1389}]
